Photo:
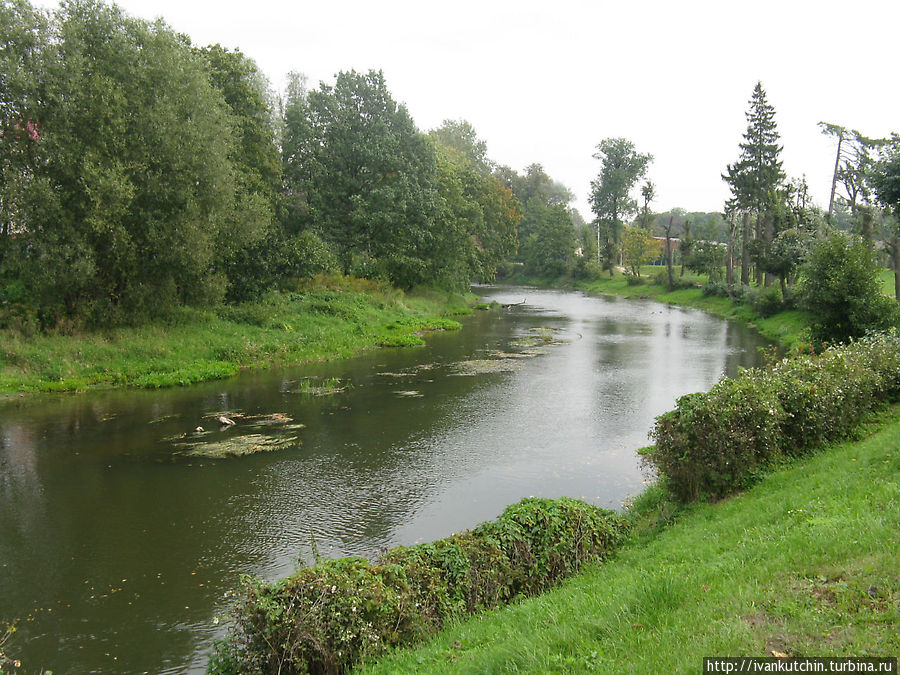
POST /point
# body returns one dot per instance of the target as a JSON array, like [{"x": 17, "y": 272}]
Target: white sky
[{"x": 546, "y": 81}]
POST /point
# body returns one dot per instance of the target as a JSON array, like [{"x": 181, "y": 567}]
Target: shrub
[
  {"x": 712, "y": 441},
  {"x": 765, "y": 301},
  {"x": 329, "y": 617},
  {"x": 841, "y": 290},
  {"x": 716, "y": 289},
  {"x": 633, "y": 280}
]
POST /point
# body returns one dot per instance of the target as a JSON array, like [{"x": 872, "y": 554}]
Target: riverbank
[
  {"x": 787, "y": 328},
  {"x": 328, "y": 318},
  {"x": 801, "y": 564}
]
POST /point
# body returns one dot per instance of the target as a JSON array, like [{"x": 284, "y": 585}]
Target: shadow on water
[{"x": 117, "y": 549}]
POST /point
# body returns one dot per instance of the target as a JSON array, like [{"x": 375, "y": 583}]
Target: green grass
[
  {"x": 886, "y": 279},
  {"x": 329, "y": 318},
  {"x": 805, "y": 564}
]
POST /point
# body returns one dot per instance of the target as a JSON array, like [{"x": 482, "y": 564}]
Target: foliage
[
  {"x": 706, "y": 257},
  {"x": 330, "y": 617},
  {"x": 885, "y": 178},
  {"x": 549, "y": 248},
  {"x": 841, "y": 290},
  {"x": 129, "y": 199},
  {"x": 391, "y": 202},
  {"x": 757, "y": 173},
  {"x": 714, "y": 442},
  {"x": 639, "y": 248},
  {"x": 621, "y": 167},
  {"x": 765, "y": 301}
]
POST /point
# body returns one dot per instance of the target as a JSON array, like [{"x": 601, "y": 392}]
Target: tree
[
  {"x": 254, "y": 267},
  {"x": 23, "y": 40},
  {"x": 367, "y": 177},
  {"x": 621, "y": 167},
  {"x": 648, "y": 192},
  {"x": 461, "y": 136},
  {"x": 841, "y": 289},
  {"x": 707, "y": 257},
  {"x": 548, "y": 250},
  {"x": 885, "y": 180},
  {"x": 757, "y": 174},
  {"x": 638, "y": 248},
  {"x": 133, "y": 203}
]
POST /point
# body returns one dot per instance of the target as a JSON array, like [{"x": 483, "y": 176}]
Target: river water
[{"x": 118, "y": 547}]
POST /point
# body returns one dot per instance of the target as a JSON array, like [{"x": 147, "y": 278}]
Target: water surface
[{"x": 117, "y": 551}]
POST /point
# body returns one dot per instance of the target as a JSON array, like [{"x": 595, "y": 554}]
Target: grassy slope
[
  {"x": 805, "y": 563},
  {"x": 331, "y": 319}
]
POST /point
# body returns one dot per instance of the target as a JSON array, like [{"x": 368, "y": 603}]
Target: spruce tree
[
  {"x": 754, "y": 179},
  {"x": 757, "y": 173}
]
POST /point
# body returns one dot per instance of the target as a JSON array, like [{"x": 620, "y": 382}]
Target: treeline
[{"x": 139, "y": 173}]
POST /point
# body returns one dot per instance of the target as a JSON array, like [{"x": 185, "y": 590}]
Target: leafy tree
[
  {"x": 786, "y": 254},
  {"x": 134, "y": 201},
  {"x": 461, "y": 136},
  {"x": 549, "y": 249},
  {"x": 885, "y": 181},
  {"x": 367, "y": 176},
  {"x": 707, "y": 257},
  {"x": 757, "y": 174},
  {"x": 257, "y": 168},
  {"x": 841, "y": 289},
  {"x": 485, "y": 211},
  {"x": 638, "y": 248},
  {"x": 23, "y": 38},
  {"x": 621, "y": 167}
]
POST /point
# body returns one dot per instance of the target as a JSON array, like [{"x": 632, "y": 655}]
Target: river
[{"x": 119, "y": 548}]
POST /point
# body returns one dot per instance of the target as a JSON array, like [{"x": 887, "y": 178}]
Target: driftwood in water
[{"x": 512, "y": 304}]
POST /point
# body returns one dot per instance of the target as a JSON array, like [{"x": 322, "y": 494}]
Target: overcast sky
[{"x": 546, "y": 81}]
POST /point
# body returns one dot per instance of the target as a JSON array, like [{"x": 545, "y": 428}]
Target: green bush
[
  {"x": 766, "y": 301},
  {"x": 714, "y": 442},
  {"x": 841, "y": 290},
  {"x": 716, "y": 289},
  {"x": 329, "y": 617},
  {"x": 633, "y": 280}
]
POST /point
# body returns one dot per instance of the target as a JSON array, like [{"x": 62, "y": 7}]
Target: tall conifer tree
[{"x": 756, "y": 176}]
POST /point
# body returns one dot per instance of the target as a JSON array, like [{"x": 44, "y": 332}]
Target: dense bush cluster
[
  {"x": 713, "y": 442},
  {"x": 328, "y": 617}
]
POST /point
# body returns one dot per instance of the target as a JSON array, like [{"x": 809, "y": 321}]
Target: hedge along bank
[
  {"x": 714, "y": 442},
  {"x": 326, "y": 618}
]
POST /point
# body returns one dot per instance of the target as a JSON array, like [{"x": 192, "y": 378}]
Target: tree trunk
[
  {"x": 729, "y": 257},
  {"x": 745, "y": 249},
  {"x": 894, "y": 250},
  {"x": 837, "y": 165},
  {"x": 669, "y": 253},
  {"x": 768, "y": 230},
  {"x": 866, "y": 222}
]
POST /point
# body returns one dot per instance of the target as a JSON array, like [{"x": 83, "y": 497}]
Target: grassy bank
[
  {"x": 328, "y": 318},
  {"x": 788, "y": 328},
  {"x": 802, "y": 564}
]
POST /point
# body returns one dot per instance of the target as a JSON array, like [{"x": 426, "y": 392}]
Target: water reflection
[{"x": 121, "y": 551}]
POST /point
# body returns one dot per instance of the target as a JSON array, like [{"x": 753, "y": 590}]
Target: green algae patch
[
  {"x": 313, "y": 386},
  {"x": 235, "y": 446}
]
